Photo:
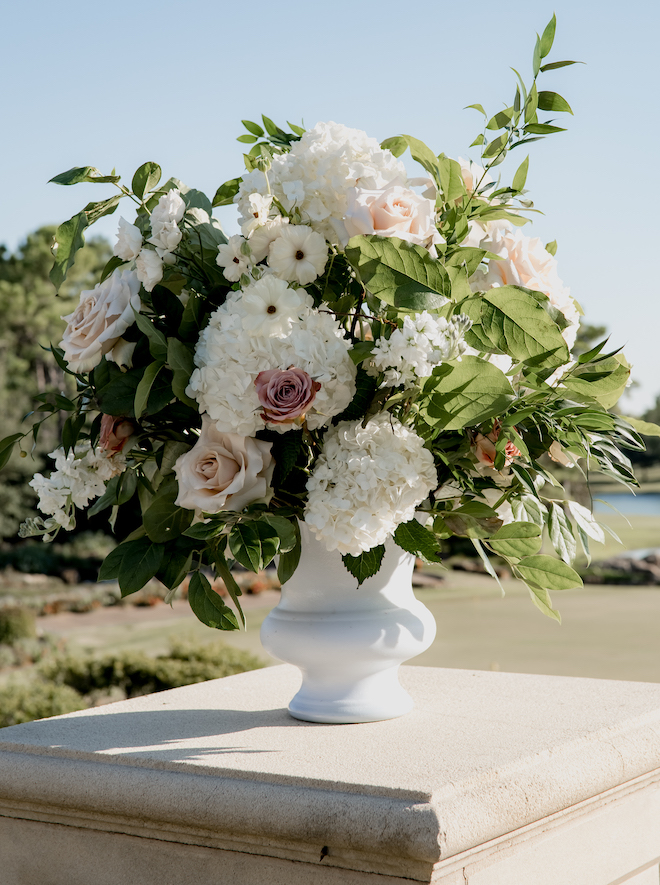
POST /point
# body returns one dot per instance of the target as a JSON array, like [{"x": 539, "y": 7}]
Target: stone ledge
[{"x": 484, "y": 760}]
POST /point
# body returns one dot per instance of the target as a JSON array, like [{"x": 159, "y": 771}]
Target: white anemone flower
[
  {"x": 263, "y": 236},
  {"x": 271, "y": 306},
  {"x": 232, "y": 260},
  {"x": 299, "y": 254},
  {"x": 257, "y": 209}
]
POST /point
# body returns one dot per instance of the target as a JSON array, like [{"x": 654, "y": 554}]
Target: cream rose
[
  {"x": 100, "y": 319},
  {"x": 149, "y": 268},
  {"x": 223, "y": 471},
  {"x": 129, "y": 241},
  {"x": 393, "y": 212}
]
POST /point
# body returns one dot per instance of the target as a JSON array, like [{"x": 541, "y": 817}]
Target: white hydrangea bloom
[
  {"x": 424, "y": 341},
  {"x": 316, "y": 175},
  {"x": 367, "y": 481},
  {"x": 229, "y": 360},
  {"x": 78, "y": 478}
]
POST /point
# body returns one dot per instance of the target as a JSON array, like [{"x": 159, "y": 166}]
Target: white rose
[
  {"x": 223, "y": 471},
  {"x": 170, "y": 208},
  {"x": 166, "y": 237},
  {"x": 149, "y": 268},
  {"x": 129, "y": 241},
  {"x": 100, "y": 319},
  {"x": 394, "y": 212}
]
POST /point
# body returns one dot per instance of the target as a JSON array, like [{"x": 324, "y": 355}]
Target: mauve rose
[
  {"x": 115, "y": 433},
  {"x": 484, "y": 448},
  {"x": 223, "y": 471},
  {"x": 285, "y": 394}
]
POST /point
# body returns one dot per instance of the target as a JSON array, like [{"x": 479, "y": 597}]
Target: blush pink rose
[
  {"x": 223, "y": 471},
  {"x": 484, "y": 448},
  {"x": 395, "y": 211},
  {"x": 285, "y": 394},
  {"x": 115, "y": 433}
]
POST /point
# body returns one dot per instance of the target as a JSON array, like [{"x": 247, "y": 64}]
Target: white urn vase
[{"x": 348, "y": 641}]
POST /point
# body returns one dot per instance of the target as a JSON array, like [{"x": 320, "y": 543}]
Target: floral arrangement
[{"x": 376, "y": 355}]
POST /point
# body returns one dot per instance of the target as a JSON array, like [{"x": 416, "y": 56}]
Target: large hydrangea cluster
[
  {"x": 269, "y": 326},
  {"x": 368, "y": 480},
  {"x": 78, "y": 478},
  {"x": 317, "y": 174},
  {"x": 411, "y": 352}
]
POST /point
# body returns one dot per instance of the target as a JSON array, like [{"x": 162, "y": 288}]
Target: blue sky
[{"x": 113, "y": 85}]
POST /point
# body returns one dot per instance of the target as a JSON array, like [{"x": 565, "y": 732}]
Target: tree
[{"x": 31, "y": 317}]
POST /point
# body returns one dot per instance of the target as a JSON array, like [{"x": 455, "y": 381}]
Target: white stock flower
[
  {"x": 169, "y": 208},
  {"x": 102, "y": 316},
  {"x": 229, "y": 362},
  {"x": 424, "y": 341},
  {"x": 299, "y": 254},
  {"x": 129, "y": 241},
  {"x": 271, "y": 306},
  {"x": 166, "y": 237},
  {"x": 317, "y": 173},
  {"x": 367, "y": 481},
  {"x": 78, "y": 478},
  {"x": 149, "y": 268},
  {"x": 233, "y": 261}
]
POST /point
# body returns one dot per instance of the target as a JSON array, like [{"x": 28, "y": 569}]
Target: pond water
[{"x": 629, "y": 504}]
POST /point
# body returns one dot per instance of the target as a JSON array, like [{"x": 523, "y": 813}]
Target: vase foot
[{"x": 372, "y": 699}]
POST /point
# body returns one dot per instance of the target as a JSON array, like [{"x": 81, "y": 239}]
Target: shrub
[
  {"x": 36, "y": 700},
  {"x": 16, "y": 623}
]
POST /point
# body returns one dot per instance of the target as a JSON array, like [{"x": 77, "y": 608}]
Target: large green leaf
[
  {"x": 254, "y": 544},
  {"x": 7, "y": 447},
  {"x": 418, "y": 150},
  {"x": 143, "y": 389},
  {"x": 157, "y": 342},
  {"x": 561, "y": 534},
  {"x": 83, "y": 173},
  {"x": 146, "y": 178},
  {"x": 548, "y": 572},
  {"x": 415, "y": 538},
  {"x": 163, "y": 520},
  {"x": 223, "y": 571},
  {"x": 366, "y": 564},
  {"x": 208, "y": 606},
  {"x": 541, "y": 599},
  {"x": 133, "y": 563},
  {"x": 517, "y": 539},
  {"x": 472, "y": 392},
  {"x": 180, "y": 361},
  {"x": 514, "y": 322},
  {"x": 68, "y": 240},
  {"x": 604, "y": 382},
  {"x": 401, "y": 274}
]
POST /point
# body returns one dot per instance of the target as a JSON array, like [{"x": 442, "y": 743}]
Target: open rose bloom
[{"x": 358, "y": 358}]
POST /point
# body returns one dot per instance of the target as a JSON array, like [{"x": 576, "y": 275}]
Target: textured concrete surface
[{"x": 488, "y": 767}]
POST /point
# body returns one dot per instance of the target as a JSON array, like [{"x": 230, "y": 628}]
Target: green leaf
[
  {"x": 548, "y": 572},
  {"x": 253, "y": 544},
  {"x": 477, "y": 107},
  {"x": 224, "y": 196},
  {"x": 94, "y": 211},
  {"x": 7, "y": 447},
  {"x": 488, "y": 565},
  {"x": 287, "y": 563},
  {"x": 247, "y": 139},
  {"x": 180, "y": 361},
  {"x": 531, "y": 105},
  {"x": 551, "y": 101},
  {"x": 146, "y": 178},
  {"x": 496, "y": 145},
  {"x": 285, "y": 451},
  {"x": 415, "y": 538},
  {"x": 111, "y": 266},
  {"x": 68, "y": 240},
  {"x": 223, "y": 571},
  {"x": 451, "y": 179},
  {"x": 254, "y": 128},
  {"x": 157, "y": 342},
  {"x": 604, "y": 386},
  {"x": 144, "y": 388},
  {"x": 71, "y": 431},
  {"x": 366, "y": 564},
  {"x": 536, "y": 59},
  {"x": 542, "y": 128},
  {"x": 646, "y": 428},
  {"x": 208, "y": 607},
  {"x": 285, "y": 529},
  {"x": 515, "y": 322},
  {"x": 419, "y": 151},
  {"x": 473, "y": 391},
  {"x": 541, "y": 599},
  {"x": 271, "y": 128},
  {"x": 528, "y": 508},
  {"x": 176, "y": 565},
  {"x": 401, "y": 274},
  {"x": 500, "y": 120},
  {"x": 553, "y": 65},
  {"x": 163, "y": 520},
  {"x": 202, "y": 531},
  {"x": 133, "y": 563},
  {"x": 365, "y": 388},
  {"x": 561, "y": 534},
  {"x": 118, "y": 491},
  {"x": 520, "y": 177},
  {"x": 517, "y": 539},
  {"x": 548, "y": 37},
  {"x": 551, "y": 247},
  {"x": 586, "y": 522},
  {"x": 83, "y": 173}
]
